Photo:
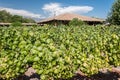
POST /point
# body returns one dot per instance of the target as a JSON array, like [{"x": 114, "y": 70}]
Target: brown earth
[{"x": 114, "y": 74}]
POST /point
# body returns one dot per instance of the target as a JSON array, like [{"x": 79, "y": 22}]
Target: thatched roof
[{"x": 70, "y": 16}]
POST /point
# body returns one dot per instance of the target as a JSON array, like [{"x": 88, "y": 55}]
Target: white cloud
[
  {"x": 21, "y": 12},
  {"x": 56, "y": 8}
]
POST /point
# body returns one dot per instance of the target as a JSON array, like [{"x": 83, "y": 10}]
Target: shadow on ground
[
  {"x": 34, "y": 76},
  {"x": 99, "y": 76}
]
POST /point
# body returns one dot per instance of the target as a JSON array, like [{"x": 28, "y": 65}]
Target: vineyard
[{"x": 58, "y": 52}]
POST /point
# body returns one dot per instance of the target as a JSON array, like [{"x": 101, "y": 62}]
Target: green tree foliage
[
  {"x": 114, "y": 16},
  {"x": 27, "y": 20},
  {"x": 76, "y": 22},
  {"x": 6, "y": 17},
  {"x": 16, "y": 24},
  {"x": 16, "y": 18}
]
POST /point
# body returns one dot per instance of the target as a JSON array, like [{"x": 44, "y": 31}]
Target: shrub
[
  {"x": 76, "y": 22},
  {"x": 16, "y": 24}
]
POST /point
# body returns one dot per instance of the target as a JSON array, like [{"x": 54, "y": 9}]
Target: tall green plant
[
  {"x": 114, "y": 15},
  {"x": 6, "y": 17},
  {"x": 16, "y": 24},
  {"x": 76, "y": 22}
]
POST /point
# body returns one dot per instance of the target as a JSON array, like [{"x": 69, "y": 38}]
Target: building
[
  {"x": 23, "y": 24},
  {"x": 67, "y": 17}
]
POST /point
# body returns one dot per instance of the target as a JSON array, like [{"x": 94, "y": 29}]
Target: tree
[
  {"x": 114, "y": 15},
  {"x": 6, "y": 17},
  {"x": 28, "y": 20},
  {"x": 16, "y": 18},
  {"x": 76, "y": 22},
  {"x": 16, "y": 24}
]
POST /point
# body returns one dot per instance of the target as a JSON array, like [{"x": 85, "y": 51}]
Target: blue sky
[{"x": 46, "y": 8}]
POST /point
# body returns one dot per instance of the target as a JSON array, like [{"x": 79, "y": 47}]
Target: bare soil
[{"x": 114, "y": 74}]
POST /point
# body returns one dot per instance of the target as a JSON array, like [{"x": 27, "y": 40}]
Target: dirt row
[{"x": 114, "y": 74}]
